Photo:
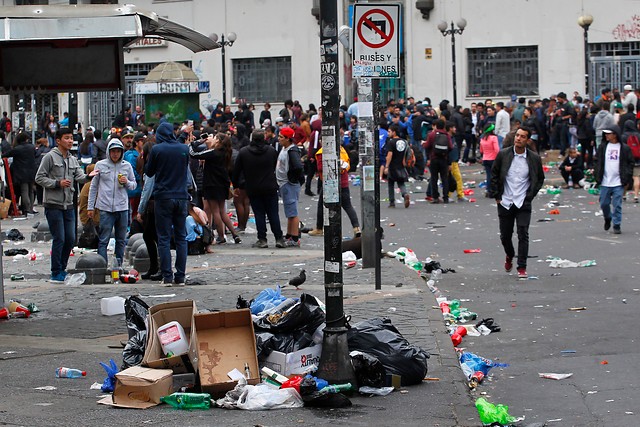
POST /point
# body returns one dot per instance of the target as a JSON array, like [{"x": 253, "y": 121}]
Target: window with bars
[
  {"x": 502, "y": 71},
  {"x": 614, "y": 49},
  {"x": 262, "y": 79}
]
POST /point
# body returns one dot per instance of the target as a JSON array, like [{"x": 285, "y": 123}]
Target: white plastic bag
[
  {"x": 75, "y": 279},
  {"x": 348, "y": 256},
  {"x": 263, "y": 396}
]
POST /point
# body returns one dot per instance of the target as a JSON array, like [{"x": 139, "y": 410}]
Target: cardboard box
[
  {"x": 224, "y": 340},
  {"x": 160, "y": 314},
  {"x": 293, "y": 363},
  {"x": 140, "y": 388}
]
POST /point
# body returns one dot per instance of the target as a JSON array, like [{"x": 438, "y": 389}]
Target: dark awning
[{"x": 64, "y": 22}]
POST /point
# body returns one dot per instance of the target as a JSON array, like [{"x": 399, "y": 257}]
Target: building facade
[{"x": 523, "y": 47}]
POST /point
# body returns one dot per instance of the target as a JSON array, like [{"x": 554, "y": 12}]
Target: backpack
[
  {"x": 634, "y": 144},
  {"x": 7, "y": 126},
  {"x": 441, "y": 144},
  {"x": 409, "y": 159}
]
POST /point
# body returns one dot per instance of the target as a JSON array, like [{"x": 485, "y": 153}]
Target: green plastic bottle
[
  {"x": 188, "y": 400},
  {"x": 454, "y": 304}
]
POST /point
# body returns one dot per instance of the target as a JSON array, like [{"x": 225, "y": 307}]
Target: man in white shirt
[
  {"x": 516, "y": 177},
  {"x": 503, "y": 122},
  {"x": 614, "y": 172},
  {"x": 629, "y": 97}
]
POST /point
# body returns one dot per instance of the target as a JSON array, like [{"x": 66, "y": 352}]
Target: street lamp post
[
  {"x": 452, "y": 31},
  {"x": 585, "y": 22},
  {"x": 231, "y": 38}
]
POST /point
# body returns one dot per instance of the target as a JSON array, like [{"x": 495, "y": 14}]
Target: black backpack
[{"x": 441, "y": 144}]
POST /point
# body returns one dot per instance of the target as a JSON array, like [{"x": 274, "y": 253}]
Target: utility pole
[{"x": 335, "y": 363}]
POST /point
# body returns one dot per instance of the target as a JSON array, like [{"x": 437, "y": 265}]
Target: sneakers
[
  {"x": 462, "y": 199},
  {"x": 522, "y": 273},
  {"x": 435, "y": 201},
  {"x": 357, "y": 232},
  {"x": 58, "y": 278},
  {"x": 508, "y": 264},
  {"x": 607, "y": 224},
  {"x": 280, "y": 243},
  {"x": 429, "y": 199},
  {"x": 261, "y": 243},
  {"x": 290, "y": 243},
  {"x": 616, "y": 229},
  {"x": 316, "y": 232},
  {"x": 407, "y": 200},
  {"x": 310, "y": 193},
  {"x": 178, "y": 283}
]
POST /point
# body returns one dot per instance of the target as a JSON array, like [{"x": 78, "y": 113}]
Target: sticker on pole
[{"x": 376, "y": 40}]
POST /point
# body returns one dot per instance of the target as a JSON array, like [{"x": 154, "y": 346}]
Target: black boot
[{"x": 151, "y": 274}]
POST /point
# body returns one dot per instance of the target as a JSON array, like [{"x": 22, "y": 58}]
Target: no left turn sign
[{"x": 376, "y": 41}]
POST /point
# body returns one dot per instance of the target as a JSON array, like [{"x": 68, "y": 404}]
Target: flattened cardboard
[
  {"x": 296, "y": 362},
  {"x": 225, "y": 340},
  {"x": 140, "y": 388},
  {"x": 160, "y": 314}
]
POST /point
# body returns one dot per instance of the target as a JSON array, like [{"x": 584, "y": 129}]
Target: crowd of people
[{"x": 174, "y": 182}]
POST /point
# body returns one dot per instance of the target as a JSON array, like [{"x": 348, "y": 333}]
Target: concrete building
[{"x": 522, "y": 47}]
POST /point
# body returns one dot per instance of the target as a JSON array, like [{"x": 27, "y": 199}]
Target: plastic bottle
[
  {"x": 444, "y": 306},
  {"x": 454, "y": 304},
  {"x": 70, "y": 373},
  {"x": 336, "y": 388},
  {"x": 16, "y": 307},
  {"x": 467, "y": 316},
  {"x": 188, "y": 400},
  {"x": 4, "y": 313},
  {"x": 173, "y": 339},
  {"x": 115, "y": 271},
  {"x": 476, "y": 379}
]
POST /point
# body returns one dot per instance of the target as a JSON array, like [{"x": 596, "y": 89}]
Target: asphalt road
[{"x": 598, "y": 345}]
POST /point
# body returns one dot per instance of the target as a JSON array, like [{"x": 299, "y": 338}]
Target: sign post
[{"x": 375, "y": 55}]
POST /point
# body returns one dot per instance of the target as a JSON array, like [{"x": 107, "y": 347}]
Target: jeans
[
  {"x": 172, "y": 212},
  {"x": 150, "y": 236},
  {"x": 522, "y": 218},
  {"x": 264, "y": 207},
  {"x": 62, "y": 224},
  {"x": 500, "y": 139},
  {"x": 345, "y": 202},
  {"x": 470, "y": 148},
  {"x": 612, "y": 196},
  {"x": 488, "y": 164},
  {"x": 109, "y": 220},
  {"x": 439, "y": 167},
  {"x": 26, "y": 197},
  {"x": 390, "y": 184}
]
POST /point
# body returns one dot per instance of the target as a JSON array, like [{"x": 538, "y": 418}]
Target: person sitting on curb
[{"x": 572, "y": 168}]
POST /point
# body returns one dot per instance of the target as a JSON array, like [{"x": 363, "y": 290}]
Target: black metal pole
[
  {"x": 375, "y": 89},
  {"x": 586, "y": 61},
  {"x": 335, "y": 363},
  {"x": 453, "y": 65},
  {"x": 224, "y": 74}
]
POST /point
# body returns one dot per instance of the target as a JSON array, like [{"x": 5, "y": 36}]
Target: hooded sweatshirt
[
  {"x": 106, "y": 193},
  {"x": 603, "y": 120},
  {"x": 169, "y": 163},
  {"x": 258, "y": 164}
]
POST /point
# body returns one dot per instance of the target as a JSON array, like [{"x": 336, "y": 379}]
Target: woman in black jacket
[
  {"x": 217, "y": 182},
  {"x": 23, "y": 170}
]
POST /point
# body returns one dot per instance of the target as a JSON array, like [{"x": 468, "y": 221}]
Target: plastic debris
[
  {"x": 372, "y": 391},
  {"x": 553, "y": 376},
  {"x": 490, "y": 413},
  {"x": 75, "y": 279},
  {"x": 472, "y": 251},
  {"x": 471, "y": 363},
  {"x": 555, "y": 262}
]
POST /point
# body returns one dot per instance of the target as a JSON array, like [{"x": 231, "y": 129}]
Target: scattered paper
[
  {"x": 161, "y": 296},
  {"x": 96, "y": 386},
  {"x": 46, "y": 387},
  {"x": 235, "y": 374},
  {"x": 555, "y": 376}
]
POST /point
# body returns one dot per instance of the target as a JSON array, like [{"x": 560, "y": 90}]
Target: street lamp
[
  {"x": 585, "y": 22},
  {"x": 231, "y": 38},
  {"x": 452, "y": 31}
]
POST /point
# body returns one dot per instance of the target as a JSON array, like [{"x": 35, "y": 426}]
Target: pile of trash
[{"x": 262, "y": 355}]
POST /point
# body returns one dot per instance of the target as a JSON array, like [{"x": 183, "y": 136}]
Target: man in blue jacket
[{"x": 169, "y": 162}]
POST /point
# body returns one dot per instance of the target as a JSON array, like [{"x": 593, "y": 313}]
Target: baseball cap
[
  {"x": 287, "y": 132},
  {"x": 628, "y": 87},
  {"x": 279, "y": 120},
  {"x": 127, "y": 132},
  {"x": 139, "y": 136}
]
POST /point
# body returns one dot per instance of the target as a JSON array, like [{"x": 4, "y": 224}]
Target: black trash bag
[
  {"x": 304, "y": 315},
  {"x": 15, "y": 234},
  {"x": 134, "y": 350},
  {"x": 435, "y": 265},
  {"x": 266, "y": 342},
  {"x": 242, "y": 303},
  {"x": 89, "y": 237},
  {"x": 332, "y": 400},
  {"x": 379, "y": 338},
  {"x": 369, "y": 370},
  {"x": 15, "y": 251},
  {"x": 135, "y": 311}
]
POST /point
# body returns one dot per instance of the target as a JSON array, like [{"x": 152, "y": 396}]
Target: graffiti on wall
[{"x": 628, "y": 30}]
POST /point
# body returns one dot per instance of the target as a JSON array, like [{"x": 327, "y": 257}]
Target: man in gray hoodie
[
  {"x": 603, "y": 120},
  {"x": 57, "y": 174},
  {"x": 108, "y": 193}
]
